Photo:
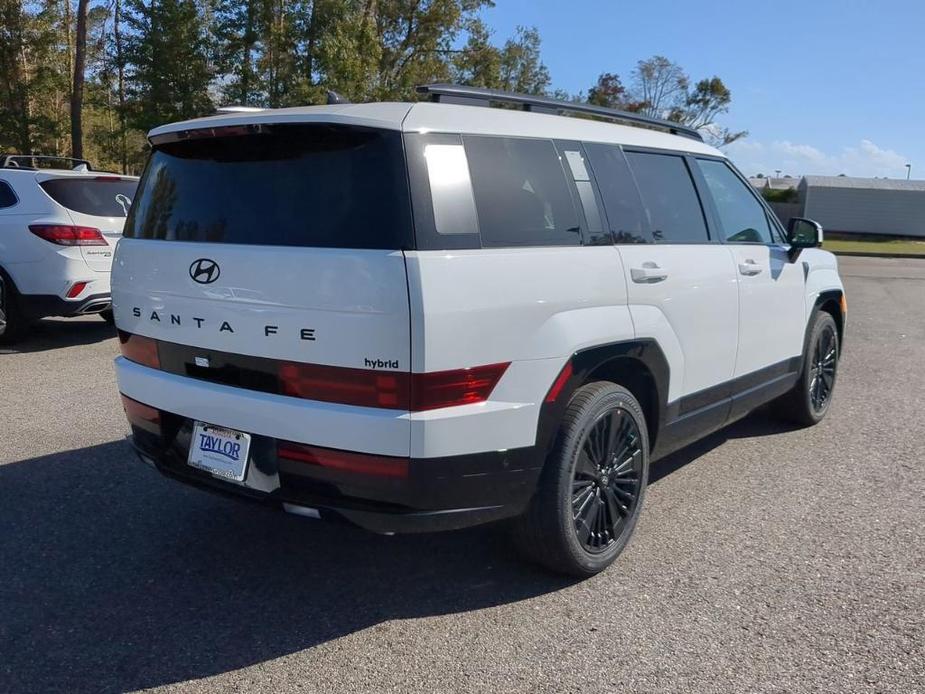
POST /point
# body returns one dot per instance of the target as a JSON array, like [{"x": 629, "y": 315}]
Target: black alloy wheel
[{"x": 606, "y": 479}]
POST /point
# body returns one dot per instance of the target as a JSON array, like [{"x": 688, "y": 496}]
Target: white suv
[
  {"x": 58, "y": 231},
  {"x": 432, "y": 315}
]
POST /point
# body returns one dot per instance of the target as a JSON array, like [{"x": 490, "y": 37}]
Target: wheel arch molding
[
  {"x": 638, "y": 365},
  {"x": 830, "y": 301}
]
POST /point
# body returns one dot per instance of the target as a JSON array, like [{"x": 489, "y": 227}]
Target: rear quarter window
[
  {"x": 102, "y": 197},
  {"x": 521, "y": 193},
  {"x": 7, "y": 196},
  {"x": 287, "y": 185}
]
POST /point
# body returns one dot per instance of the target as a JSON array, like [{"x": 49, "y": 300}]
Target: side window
[
  {"x": 622, "y": 205},
  {"x": 572, "y": 155},
  {"x": 7, "y": 196},
  {"x": 521, "y": 194},
  {"x": 669, "y": 195},
  {"x": 742, "y": 217}
]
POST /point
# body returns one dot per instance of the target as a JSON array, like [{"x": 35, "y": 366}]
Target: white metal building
[{"x": 865, "y": 205}]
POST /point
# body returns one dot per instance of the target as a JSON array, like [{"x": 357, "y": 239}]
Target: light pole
[{"x": 908, "y": 171}]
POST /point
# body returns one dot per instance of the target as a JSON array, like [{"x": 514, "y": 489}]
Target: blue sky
[{"x": 822, "y": 86}]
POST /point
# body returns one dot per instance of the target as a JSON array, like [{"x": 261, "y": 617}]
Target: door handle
[
  {"x": 749, "y": 268},
  {"x": 648, "y": 273}
]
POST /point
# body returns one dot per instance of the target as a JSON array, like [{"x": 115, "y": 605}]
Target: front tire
[
  {"x": 592, "y": 486},
  {"x": 809, "y": 401}
]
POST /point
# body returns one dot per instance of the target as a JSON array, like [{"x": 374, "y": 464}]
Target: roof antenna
[{"x": 335, "y": 98}]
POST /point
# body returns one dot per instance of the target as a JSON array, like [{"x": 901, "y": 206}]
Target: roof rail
[
  {"x": 31, "y": 161},
  {"x": 478, "y": 96}
]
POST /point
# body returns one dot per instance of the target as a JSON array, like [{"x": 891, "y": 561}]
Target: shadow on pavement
[
  {"x": 113, "y": 578},
  {"x": 51, "y": 334}
]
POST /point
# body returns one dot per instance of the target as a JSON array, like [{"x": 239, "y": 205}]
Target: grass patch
[{"x": 875, "y": 246}]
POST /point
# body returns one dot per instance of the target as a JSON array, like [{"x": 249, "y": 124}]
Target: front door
[{"x": 772, "y": 316}]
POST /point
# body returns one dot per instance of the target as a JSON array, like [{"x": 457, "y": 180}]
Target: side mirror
[{"x": 803, "y": 233}]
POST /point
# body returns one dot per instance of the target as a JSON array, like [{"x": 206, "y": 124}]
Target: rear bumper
[
  {"x": 437, "y": 494},
  {"x": 42, "y": 305}
]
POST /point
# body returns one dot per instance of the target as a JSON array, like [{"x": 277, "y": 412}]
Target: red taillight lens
[
  {"x": 64, "y": 235},
  {"x": 76, "y": 289},
  {"x": 346, "y": 386},
  {"x": 139, "y": 349},
  {"x": 141, "y": 415},
  {"x": 430, "y": 391},
  {"x": 380, "y": 465},
  {"x": 389, "y": 389}
]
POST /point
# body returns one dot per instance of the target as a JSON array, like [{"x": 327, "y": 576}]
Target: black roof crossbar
[
  {"x": 478, "y": 96},
  {"x": 31, "y": 161}
]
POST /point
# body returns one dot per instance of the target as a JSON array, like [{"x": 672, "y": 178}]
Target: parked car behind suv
[
  {"x": 433, "y": 315},
  {"x": 59, "y": 224}
]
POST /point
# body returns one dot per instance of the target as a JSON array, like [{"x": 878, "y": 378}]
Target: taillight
[
  {"x": 390, "y": 389},
  {"x": 141, "y": 415},
  {"x": 347, "y": 386},
  {"x": 430, "y": 391},
  {"x": 139, "y": 349},
  {"x": 362, "y": 463},
  {"x": 65, "y": 235}
]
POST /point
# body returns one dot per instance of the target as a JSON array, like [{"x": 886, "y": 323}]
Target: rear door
[
  {"x": 101, "y": 202},
  {"x": 283, "y": 242},
  {"x": 680, "y": 282}
]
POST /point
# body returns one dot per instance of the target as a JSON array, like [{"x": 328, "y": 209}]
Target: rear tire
[
  {"x": 809, "y": 401},
  {"x": 592, "y": 486},
  {"x": 108, "y": 317}
]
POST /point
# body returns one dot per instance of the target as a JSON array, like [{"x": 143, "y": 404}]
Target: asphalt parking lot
[{"x": 766, "y": 559}]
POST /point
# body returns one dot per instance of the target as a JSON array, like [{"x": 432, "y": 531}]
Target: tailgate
[{"x": 335, "y": 307}]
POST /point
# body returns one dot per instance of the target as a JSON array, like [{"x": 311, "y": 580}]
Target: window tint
[
  {"x": 521, "y": 194},
  {"x": 742, "y": 217},
  {"x": 621, "y": 198},
  {"x": 7, "y": 196},
  {"x": 105, "y": 196},
  {"x": 665, "y": 184},
  {"x": 289, "y": 185}
]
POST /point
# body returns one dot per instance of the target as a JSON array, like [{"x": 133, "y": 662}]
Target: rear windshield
[
  {"x": 103, "y": 197},
  {"x": 289, "y": 185}
]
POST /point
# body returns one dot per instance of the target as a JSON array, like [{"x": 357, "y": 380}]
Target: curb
[{"x": 861, "y": 254}]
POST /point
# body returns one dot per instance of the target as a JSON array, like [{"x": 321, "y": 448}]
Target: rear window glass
[
  {"x": 289, "y": 185},
  {"x": 521, "y": 193},
  {"x": 7, "y": 196},
  {"x": 668, "y": 193},
  {"x": 103, "y": 197},
  {"x": 618, "y": 189}
]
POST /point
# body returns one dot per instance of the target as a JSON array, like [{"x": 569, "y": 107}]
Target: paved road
[{"x": 766, "y": 559}]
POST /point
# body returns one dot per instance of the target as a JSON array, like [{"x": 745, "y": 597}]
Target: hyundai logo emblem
[{"x": 204, "y": 271}]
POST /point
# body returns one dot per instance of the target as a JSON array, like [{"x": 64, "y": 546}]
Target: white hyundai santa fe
[
  {"x": 59, "y": 225},
  {"x": 433, "y": 315}
]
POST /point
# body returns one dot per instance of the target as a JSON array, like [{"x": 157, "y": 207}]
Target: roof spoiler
[{"x": 35, "y": 161}]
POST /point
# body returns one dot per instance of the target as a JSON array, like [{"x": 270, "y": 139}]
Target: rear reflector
[
  {"x": 76, "y": 289},
  {"x": 141, "y": 415},
  {"x": 64, "y": 235},
  {"x": 139, "y": 349},
  {"x": 560, "y": 382},
  {"x": 361, "y": 463}
]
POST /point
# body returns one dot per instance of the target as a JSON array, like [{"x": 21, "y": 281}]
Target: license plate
[{"x": 218, "y": 450}]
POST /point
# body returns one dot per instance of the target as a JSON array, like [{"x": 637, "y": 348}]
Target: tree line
[{"x": 88, "y": 78}]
